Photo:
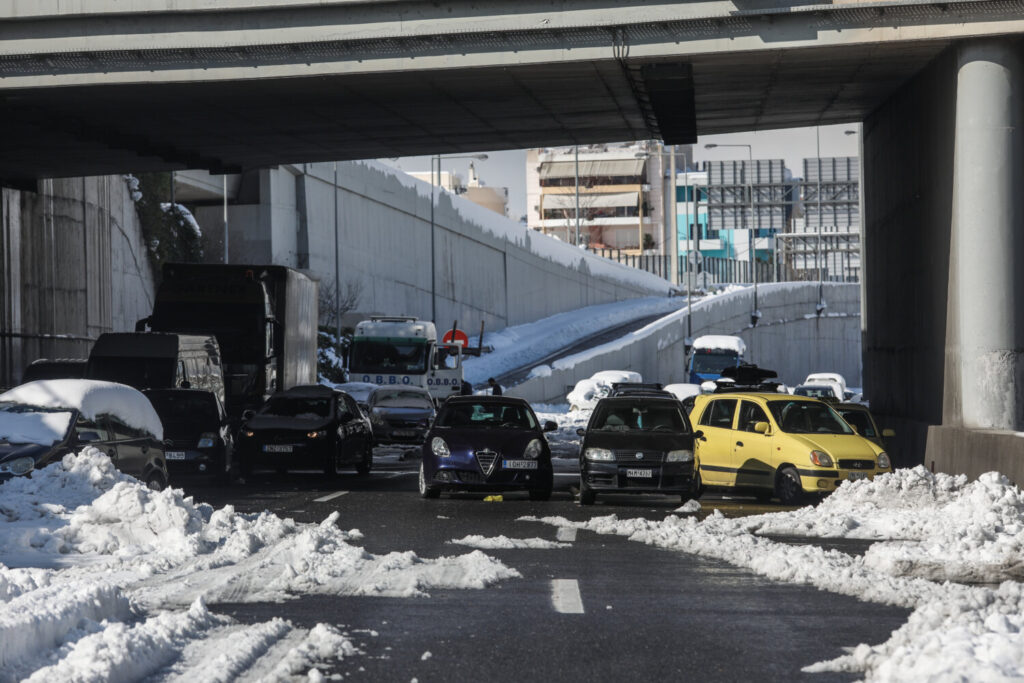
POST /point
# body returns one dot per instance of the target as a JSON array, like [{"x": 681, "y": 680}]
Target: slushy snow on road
[
  {"x": 105, "y": 579},
  {"x": 936, "y": 537}
]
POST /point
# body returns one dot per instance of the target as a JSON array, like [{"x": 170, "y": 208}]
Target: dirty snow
[
  {"x": 930, "y": 529},
  {"x": 105, "y": 579},
  {"x": 506, "y": 543}
]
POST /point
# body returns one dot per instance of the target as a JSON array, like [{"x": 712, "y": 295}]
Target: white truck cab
[{"x": 397, "y": 351}]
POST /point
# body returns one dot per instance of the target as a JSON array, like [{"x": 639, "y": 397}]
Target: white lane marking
[
  {"x": 565, "y": 596},
  {"x": 566, "y": 534},
  {"x": 329, "y": 496}
]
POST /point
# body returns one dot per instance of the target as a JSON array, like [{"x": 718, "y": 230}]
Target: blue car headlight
[
  {"x": 18, "y": 466},
  {"x": 440, "y": 448},
  {"x": 533, "y": 449}
]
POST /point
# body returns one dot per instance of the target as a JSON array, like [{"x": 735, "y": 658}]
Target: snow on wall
[
  {"x": 487, "y": 268},
  {"x": 789, "y": 339}
]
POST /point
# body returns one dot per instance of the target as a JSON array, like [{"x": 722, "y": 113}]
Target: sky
[{"x": 508, "y": 168}]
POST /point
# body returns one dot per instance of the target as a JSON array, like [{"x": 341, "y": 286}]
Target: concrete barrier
[{"x": 790, "y": 339}]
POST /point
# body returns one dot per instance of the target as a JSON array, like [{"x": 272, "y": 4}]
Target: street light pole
[
  {"x": 433, "y": 224},
  {"x": 577, "y": 195},
  {"x": 755, "y": 315}
]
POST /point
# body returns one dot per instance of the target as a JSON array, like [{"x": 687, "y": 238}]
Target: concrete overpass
[{"x": 102, "y": 87}]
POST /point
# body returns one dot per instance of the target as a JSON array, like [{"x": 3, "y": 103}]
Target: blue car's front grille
[{"x": 485, "y": 458}]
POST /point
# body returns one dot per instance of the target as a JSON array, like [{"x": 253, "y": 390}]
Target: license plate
[
  {"x": 277, "y": 449},
  {"x": 519, "y": 464},
  {"x": 854, "y": 476},
  {"x": 175, "y": 455},
  {"x": 404, "y": 432},
  {"x": 640, "y": 474}
]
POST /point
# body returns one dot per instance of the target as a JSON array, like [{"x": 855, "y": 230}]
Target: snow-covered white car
[
  {"x": 42, "y": 421},
  {"x": 587, "y": 392},
  {"x": 828, "y": 378}
]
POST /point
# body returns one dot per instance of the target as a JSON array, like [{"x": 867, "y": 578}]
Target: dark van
[
  {"x": 196, "y": 435},
  {"x": 158, "y": 360}
]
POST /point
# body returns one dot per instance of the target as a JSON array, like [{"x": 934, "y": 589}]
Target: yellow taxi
[{"x": 776, "y": 444}]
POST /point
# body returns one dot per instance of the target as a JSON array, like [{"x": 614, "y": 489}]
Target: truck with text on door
[
  {"x": 263, "y": 316},
  {"x": 712, "y": 353},
  {"x": 404, "y": 351}
]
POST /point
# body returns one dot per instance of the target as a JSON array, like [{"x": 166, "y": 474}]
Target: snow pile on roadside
[
  {"x": 506, "y": 543},
  {"x": 935, "y": 526},
  {"x": 98, "y": 557},
  {"x": 957, "y": 632}
]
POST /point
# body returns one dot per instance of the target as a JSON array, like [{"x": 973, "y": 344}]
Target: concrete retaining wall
[
  {"x": 488, "y": 268},
  {"x": 72, "y": 266},
  {"x": 790, "y": 339}
]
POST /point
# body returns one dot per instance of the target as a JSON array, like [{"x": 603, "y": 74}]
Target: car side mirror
[
  {"x": 88, "y": 437},
  {"x": 580, "y": 431},
  {"x": 248, "y": 414},
  {"x": 699, "y": 434},
  {"x": 761, "y": 427},
  {"x": 888, "y": 433},
  {"x": 550, "y": 426}
]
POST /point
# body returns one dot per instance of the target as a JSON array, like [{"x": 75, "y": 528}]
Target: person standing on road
[{"x": 495, "y": 387}]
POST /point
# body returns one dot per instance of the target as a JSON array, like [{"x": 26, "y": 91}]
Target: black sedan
[
  {"x": 196, "y": 435},
  {"x": 636, "y": 445},
  {"x": 306, "y": 427},
  {"x": 487, "y": 443},
  {"x": 400, "y": 415}
]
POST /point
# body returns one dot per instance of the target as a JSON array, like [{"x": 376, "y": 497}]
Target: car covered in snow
[
  {"x": 306, "y": 427},
  {"x": 826, "y": 392},
  {"x": 400, "y": 415},
  {"x": 487, "y": 443},
  {"x": 42, "y": 421},
  {"x": 636, "y": 444},
  {"x": 588, "y": 392},
  {"x": 197, "y": 435},
  {"x": 771, "y": 444}
]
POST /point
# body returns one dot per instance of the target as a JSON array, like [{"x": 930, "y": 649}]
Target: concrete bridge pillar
[{"x": 988, "y": 235}]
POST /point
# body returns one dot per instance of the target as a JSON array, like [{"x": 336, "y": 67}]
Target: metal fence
[{"x": 708, "y": 271}]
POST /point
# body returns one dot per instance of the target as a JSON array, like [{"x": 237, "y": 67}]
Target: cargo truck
[{"x": 264, "y": 319}]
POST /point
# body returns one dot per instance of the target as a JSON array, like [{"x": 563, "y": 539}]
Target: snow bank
[
  {"x": 928, "y": 527},
  {"x": 91, "y": 398},
  {"x": 100, "y": 557},
  {"x": 505, "y": 543}
]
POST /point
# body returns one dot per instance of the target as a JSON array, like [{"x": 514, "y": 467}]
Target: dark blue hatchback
[{"x": 487, "y": 443}]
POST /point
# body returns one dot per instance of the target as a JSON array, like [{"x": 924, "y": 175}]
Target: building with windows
[{"x": 620, "y": 197}]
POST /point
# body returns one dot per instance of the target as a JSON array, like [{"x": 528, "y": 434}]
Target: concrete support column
[{"x": 986, "y": 270}]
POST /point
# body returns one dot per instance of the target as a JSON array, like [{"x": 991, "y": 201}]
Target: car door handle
[{"x": 739, "y": 443}]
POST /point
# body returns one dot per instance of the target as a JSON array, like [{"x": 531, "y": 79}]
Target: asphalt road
[{"x": 635, "y": 612}]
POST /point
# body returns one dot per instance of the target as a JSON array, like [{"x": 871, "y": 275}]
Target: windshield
[
  {"x": 388, "y": 357},
  {"x": 20, "y": 423},
  {"x": 398, "y": 398},
  {"x": 141, "y": 373},
  {"x": 185, "y": 408},
  {"x": 807, "y": 417},
  {"x": 487, "y": 414},
  {"x": 713, "y": 361},
  {"x": 815, "y": 392},
  {"x": 860, "y": 420},
  {"x": 292, "y": 406},
  {"x": 638, "y": 417}
]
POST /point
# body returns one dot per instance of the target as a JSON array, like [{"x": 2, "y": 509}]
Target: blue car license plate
[
  {"x": 519, "y": 464},
  {"x": 277, "y": 448}
]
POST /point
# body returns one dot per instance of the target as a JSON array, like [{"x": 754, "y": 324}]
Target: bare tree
[{"x": 331, "y": 309}]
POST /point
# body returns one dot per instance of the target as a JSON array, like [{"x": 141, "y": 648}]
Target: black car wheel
[
  {"x": 788, "y": 487},
  {"x": 540, "y": 494},
  {"x": 427, "y": 491},
  {"x": 698, "y": 486},
  {"x": 587, "y": 494},
  {"x": 364, "y": 466},
  {"x": 155, "y": 481}
]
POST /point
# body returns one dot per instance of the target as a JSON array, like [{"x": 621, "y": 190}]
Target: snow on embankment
[
  {"x": 928, "y": 527},
  {"x": 91, "y": 557}
]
